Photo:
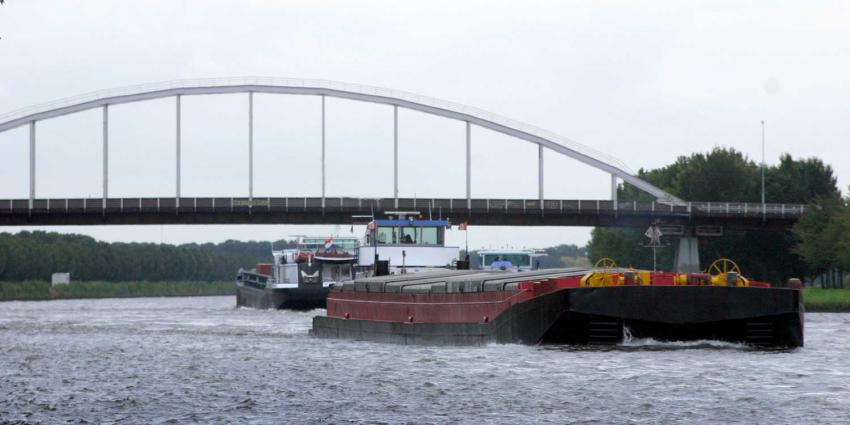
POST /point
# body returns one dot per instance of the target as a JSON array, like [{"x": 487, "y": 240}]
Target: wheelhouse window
[
  {"x": 336, "y": 272},
  {"x": 410, "y": 235},
  {"x": 387, "y": 235},
  {"x": 430, "y": 235}
]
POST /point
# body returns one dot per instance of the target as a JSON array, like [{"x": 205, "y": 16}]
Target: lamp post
[{"x": 762, "y": 166}]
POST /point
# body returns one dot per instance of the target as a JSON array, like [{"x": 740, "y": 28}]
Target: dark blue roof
[{"x": 413, "y": 223}]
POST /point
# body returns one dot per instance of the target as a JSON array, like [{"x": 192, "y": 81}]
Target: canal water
[{"x": 201, "y": 360}]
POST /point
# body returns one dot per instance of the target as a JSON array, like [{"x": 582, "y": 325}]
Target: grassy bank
[
  {"x": 35, "y": 290},
  {"x": 836, "y": 300},
  {"x": 816, "y": 299}
]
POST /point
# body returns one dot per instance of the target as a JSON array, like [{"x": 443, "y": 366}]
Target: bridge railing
[{"x": 377, "y": 206}]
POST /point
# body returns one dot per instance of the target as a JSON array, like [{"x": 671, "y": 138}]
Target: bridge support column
[
  {"x": 323, "y": 151},
  {"x": 468, "y": 166},
  {"x": 32, "y": 163},
  {"x": 395, "y": 154},
  {"x": 540, "y": 173},
  {"x": 687, "y": 255},
  {"x": 178, "y": 150},
  {"x": 250, "y": 149},
  {"x": 105, "y": 154},
  {"x": 614, "y": 189}
]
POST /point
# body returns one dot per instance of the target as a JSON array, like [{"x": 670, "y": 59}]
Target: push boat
[
  {"x": 599, "y": 305},
  {"x": 298, "y": 278}
]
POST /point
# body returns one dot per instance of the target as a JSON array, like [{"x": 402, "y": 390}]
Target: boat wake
[
  {"x": 701, "y": 344},
  {"x": 631, "y": 343}
]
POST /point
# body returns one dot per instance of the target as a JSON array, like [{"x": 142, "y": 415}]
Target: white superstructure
[{"x": 409, "y": 244}]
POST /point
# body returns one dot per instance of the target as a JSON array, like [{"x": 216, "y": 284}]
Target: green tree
[
  {"x": 725, "y": 175},
  {"x": 824, "y": 239},
  {"x": 819, "y": 236}
]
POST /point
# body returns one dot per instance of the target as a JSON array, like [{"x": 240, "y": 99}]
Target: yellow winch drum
[
  {"x": 725, "y": 272},
  {"x": 606, "y": 277}
]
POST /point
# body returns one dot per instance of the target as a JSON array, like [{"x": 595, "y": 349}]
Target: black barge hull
[
  {"x": 762, "y": 317},
  {"x": 288, "y": 298}
]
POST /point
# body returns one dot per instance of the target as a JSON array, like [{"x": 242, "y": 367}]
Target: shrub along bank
[
  {"x": 38, "y": 290},
  {"x": 835, "y": 300}
]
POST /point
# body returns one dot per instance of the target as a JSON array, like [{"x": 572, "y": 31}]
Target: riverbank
[
  {"x": 35, "y": 290},
  {"x": 826, "y": 300},
  {"x": 815, "y": 299}
]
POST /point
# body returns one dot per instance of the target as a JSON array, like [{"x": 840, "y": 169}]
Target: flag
[
  {"x": 372, "y": 226},
  {"x": 462, "y": 226},
  {"x": 328, "y": 244}
]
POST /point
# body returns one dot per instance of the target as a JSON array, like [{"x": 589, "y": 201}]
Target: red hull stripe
[{"x": 423, "y": 308}]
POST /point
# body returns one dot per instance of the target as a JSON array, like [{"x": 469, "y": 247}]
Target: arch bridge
[{"x": 180, "y": 209}]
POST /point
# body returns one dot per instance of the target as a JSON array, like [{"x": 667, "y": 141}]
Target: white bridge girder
[{"x": 324, "y": 88}]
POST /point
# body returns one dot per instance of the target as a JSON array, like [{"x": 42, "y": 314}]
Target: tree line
[
  {"x": 726, "y": 175},
  {"x": 37, "y": 255}
]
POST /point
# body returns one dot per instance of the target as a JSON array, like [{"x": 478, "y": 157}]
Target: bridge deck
[{"x": 520, "y": 212}]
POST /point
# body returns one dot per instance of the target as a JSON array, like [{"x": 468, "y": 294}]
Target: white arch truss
[{"x": 470, "y": 115}]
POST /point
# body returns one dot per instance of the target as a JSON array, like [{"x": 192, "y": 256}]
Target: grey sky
[{"x": 643, "y": 82}]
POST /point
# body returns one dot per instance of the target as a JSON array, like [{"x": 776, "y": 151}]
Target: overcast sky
[{"x": 644, "y": 82}]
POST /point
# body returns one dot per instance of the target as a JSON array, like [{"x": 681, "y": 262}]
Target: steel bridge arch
[{"x": 371, "y": 94}]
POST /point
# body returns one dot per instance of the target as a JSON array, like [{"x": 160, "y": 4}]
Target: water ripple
[{"x": 200, "y": 360}]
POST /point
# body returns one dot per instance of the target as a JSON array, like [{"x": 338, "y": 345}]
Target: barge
[
  {"x": 600, "y": 305},
  {"x": 299, "y": 278}
]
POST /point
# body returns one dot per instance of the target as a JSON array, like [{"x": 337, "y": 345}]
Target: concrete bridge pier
[{"x": 686, "y": 259}]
